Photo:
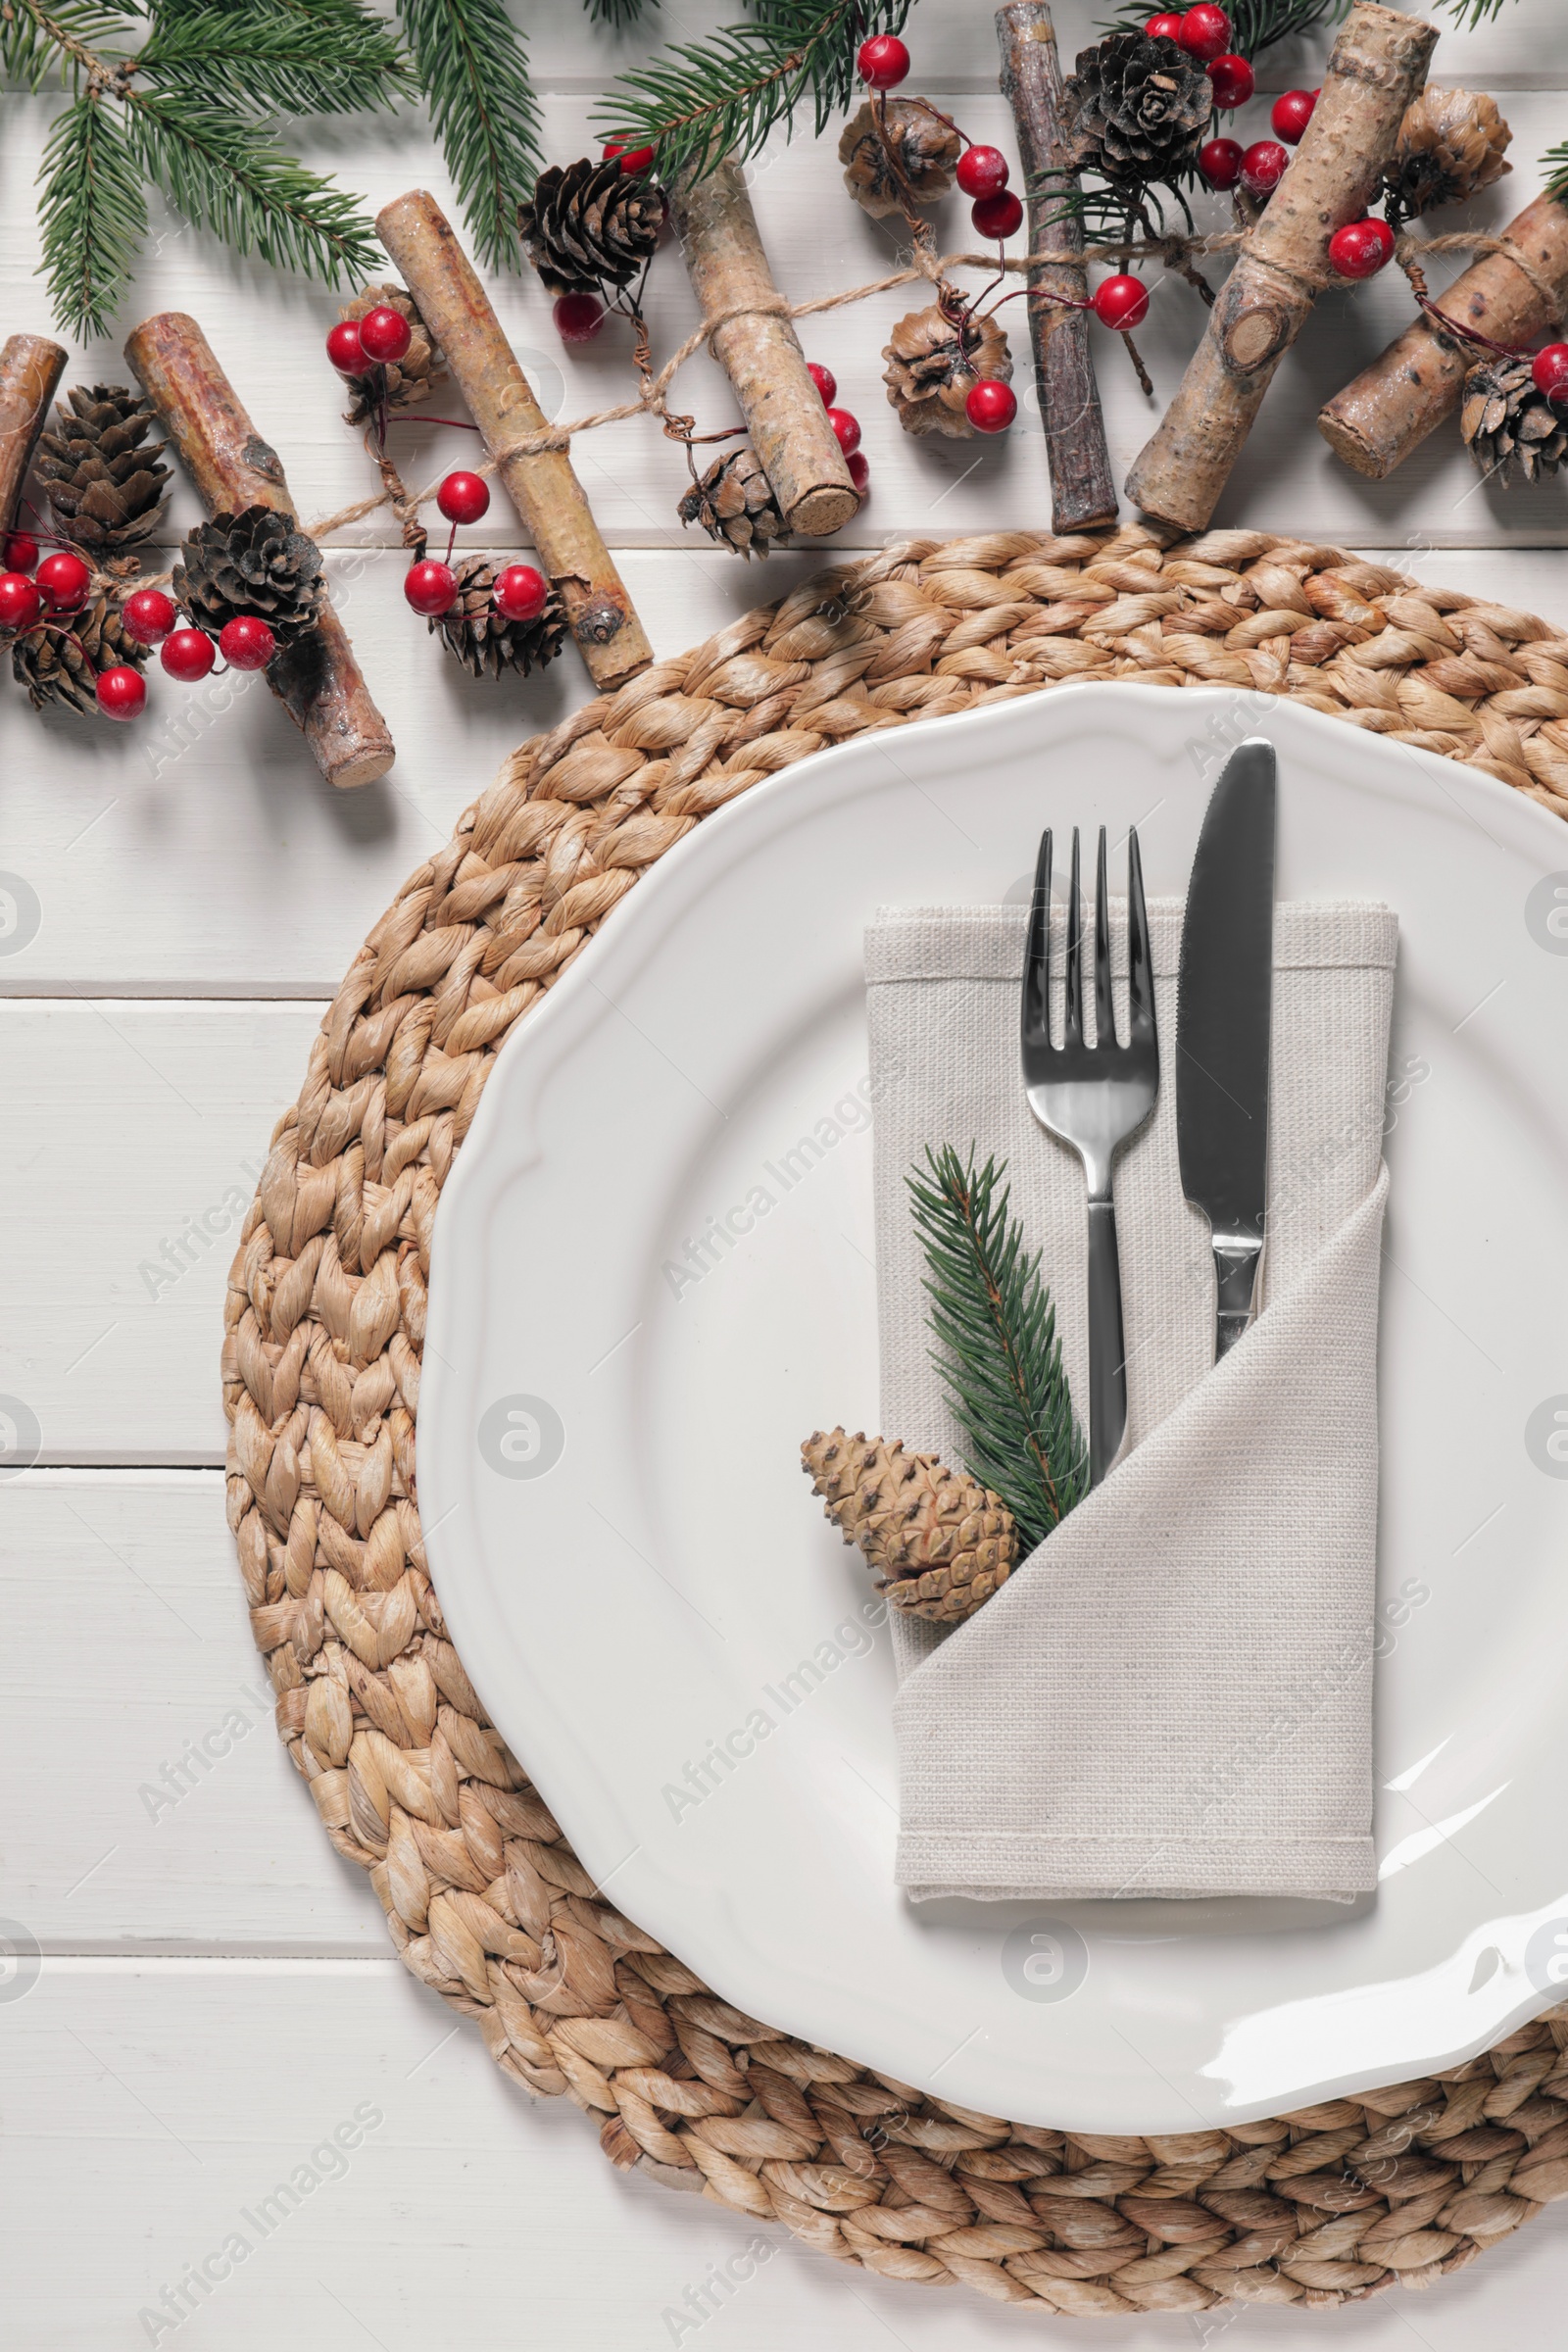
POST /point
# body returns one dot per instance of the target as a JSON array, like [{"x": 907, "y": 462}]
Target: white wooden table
[{"x": 216, "y": 1993}]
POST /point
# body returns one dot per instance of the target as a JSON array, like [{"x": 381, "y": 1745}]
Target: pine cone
[
  {"x": 406, "y": 381},
  {"x": 253, "y": 562},
  {"x": 63, "y": 662},
  {"x": 1136, "y": 110},
  {"x": 925, "y": 146},
  {"x": 930, "y": 373},
  {"x": 484, "y": 640},
  {"x": 734, "y": 502},
  {"x": 944, "y": 1543},
  {"x": 1451, "y": 144},
  {"x": 590, "y": 225},
  {"x": 1507, "y": 422},
  {"x": 105, "y": 489}
]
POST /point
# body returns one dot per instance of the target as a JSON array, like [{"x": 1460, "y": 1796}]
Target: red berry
[
  {"x": 1233, "y": 81},
  {"x": 1122, "y": 303},
  {"x": 826, "y": 382},
  {"x": 1291, "y": 114},
  {"x": 149, "y": 615},
  {"x": 522, "y": 593},
  {"x": 1264, "y": 166},
  {"x": 633, "y": 160},
  {"x": 997, "y": 216},
  {"x": 21, "y": 601},
  {"x": 464, "y": 497},
  {"x": 121, "y": 693},
  {"x": 859, "y": 473},
  {"x": 991, "y": 407},
  {"x": 1550, "y": 370},
  {"x": 882, "y": 61},
  {"x": 22, "y": 551},
  {"x": 246, "y": 643},
  {"x": 432, "y": 588},
  {"x": 1205, "y": 33},
  {"x": 189, "y": 654},
  {"x": 846, "y": 430},
  {"x": 1164, "y": 29},
  {"x": 981, "y": 172},
  {"x": 65, "y": 580},
  {"x": 385, "y": 334},
  {"x": 345, "y": 350},
  {"x": 577, "y": 317},
  {"x": 1360, "y": 247},
  {"x": 1220, "y": 162}
]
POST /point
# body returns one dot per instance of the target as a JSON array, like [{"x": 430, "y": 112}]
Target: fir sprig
[
  {"x": 703, "y": 99},
  {"x": 997, "y": 1347},
  {"x": 473, "y": 69}
]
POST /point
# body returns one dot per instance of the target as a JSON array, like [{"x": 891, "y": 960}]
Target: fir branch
[
  {"x": 1555, "y": 163},
  {"x": 473, "y": 69},
  {"x": 1256, "y": 25},
  {"x": 997, "y": 1347},
  {"x": 614, "y": 11},
  {"x": 223, "y": 173},
  {"x": 93, "y": 214},
  {"x": 1471, "y": 12},
  {"x": 705, "y": 99},
  {"x": 266, "y": 57}
]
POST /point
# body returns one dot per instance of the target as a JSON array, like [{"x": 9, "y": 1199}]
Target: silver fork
[{"x": 1092, "y": 1098}]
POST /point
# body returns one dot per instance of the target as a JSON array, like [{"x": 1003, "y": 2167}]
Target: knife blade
[{"x": 1224, "y": 998}]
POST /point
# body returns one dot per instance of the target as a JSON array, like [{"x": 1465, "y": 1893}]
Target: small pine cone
[
  {"x": 930, "y": 371},
  {"x": 105, "y": 488},
  {"x": 925, "y": 145},
  {"x": 255, "y": 562},
  {"x": 1136, "y": 110},
  {"x": 1507, "y": 422},
  {"x": 483, "y": 639},
  {"x": 942, "y": 1543},
  {"x": 62, "y": 661},
  {"x": 734, "y": 503},
  {"x": 590, "y": 225},
  {"x": 1451, "y": 144},
  {"x": 402, "y": 383}
]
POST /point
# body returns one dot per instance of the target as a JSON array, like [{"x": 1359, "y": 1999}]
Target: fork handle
[{"x": 1107, "y": 1353}]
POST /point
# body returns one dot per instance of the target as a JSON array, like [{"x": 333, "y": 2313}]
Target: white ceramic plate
[{"x": 635, "y": 1569}]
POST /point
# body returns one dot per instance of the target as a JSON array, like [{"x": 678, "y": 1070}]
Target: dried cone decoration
[
  {"x": 925, "y": 146},
  {"x": 942, "y": 1544},
  {"x": 63, "y": 662},
  {"x": 253, "y": 564},
  {"x": 590, "y": 225},
  {"x": 479, "y": 636},
  {"x": 735, "y": 505},
  {"x": 933, "y": 366},
  {"x": 1451, "y": 145},
  {"x": 401, "y": 384},
  {"x": 104, "y": 483},
  {"x": 1137, "y": 110},
  {"x": 1506, "y": 422}
]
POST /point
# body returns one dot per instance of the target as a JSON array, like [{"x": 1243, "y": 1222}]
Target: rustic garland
[{"x": 325, "y": 1318}]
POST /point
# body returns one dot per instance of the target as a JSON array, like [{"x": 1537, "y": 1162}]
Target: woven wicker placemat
[{"x": 484, "y": 1899}]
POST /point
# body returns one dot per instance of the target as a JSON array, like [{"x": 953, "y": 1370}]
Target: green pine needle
[
  {"x": 1471, "y": 12},
  {"x": 705, "y": 99},
  {"x": 1255, "y": 25},
  {"x": 93, "y": 214},
  {"x": 222, "y": 172},
  {"x": 997, "y": 1347},
  {"x": 1555, "y": 163},
  {"x": 264, "y": 57},
  {"x": 473, "y": 69},
  {"x": 614, "y": 11}
]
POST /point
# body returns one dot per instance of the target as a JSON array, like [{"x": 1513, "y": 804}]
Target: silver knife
[{"x": 1223, "y": 1001}]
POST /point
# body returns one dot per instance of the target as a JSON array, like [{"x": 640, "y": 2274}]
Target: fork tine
[
  {"x": 1035, "y": 1010},
  {"x": 1139, "y": 968},
  {"x": 1105, "y": 1018},
  {"x": 1072, "y": 1026}
]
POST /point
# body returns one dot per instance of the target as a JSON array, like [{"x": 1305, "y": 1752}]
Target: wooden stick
[
  {"x": 316, "y": 679},
  {"x": 31, "y": 369},
  {"x": 542, "y": 487},
  {"x": 1377, "y": 66},
  {"x": 1083, "y": 490},
  {"x": 760, "y": 353},
  {"x": 1375, "y": 423}
]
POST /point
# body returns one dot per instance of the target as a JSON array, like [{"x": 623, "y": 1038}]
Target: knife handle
[
  {"x": 1236, "y": 1273},
  {"x": 1107, "y": 1351}
]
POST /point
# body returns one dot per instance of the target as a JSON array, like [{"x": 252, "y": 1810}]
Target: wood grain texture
[{"x": 31, "y": 369}]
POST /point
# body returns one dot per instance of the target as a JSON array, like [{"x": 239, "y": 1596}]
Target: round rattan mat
[{"x": 484, "y": 1899}]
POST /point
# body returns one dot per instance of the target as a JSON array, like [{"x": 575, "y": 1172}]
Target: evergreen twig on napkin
[{"x": 997, "y": 1345}]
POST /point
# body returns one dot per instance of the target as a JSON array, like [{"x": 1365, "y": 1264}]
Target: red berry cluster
[
  {"x": 846, "y": 428},
  {"x": 189, "y": 653}
]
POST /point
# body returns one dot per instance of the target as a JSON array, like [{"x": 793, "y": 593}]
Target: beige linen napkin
[{"x": 1172, "y": 1695}]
